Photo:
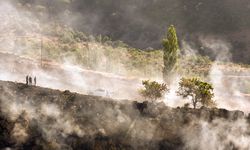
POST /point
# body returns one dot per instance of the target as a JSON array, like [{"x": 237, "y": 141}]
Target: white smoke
[
  {"x": 226, "y": 90},
  {"x": 69, "y": 73},
  {"x": 52, "y": 121},
  {"x": 217, "y": 47},
  {"x": 219, "y": 134}
]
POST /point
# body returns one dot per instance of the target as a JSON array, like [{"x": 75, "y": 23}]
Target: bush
[
  {"x": 153, "y": 90},
  {"x": 199, "y": 91}
]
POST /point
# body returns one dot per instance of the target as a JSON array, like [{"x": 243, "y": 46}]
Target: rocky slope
[{"x": 39, "y": 118}]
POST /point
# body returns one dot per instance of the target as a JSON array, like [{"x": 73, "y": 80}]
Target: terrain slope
[{"x": 40, "y": 118}]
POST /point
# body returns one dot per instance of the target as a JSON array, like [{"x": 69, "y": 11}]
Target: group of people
[{"x": 29, "y": 80}]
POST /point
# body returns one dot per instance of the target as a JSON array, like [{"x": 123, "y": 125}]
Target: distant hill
[
  {"x": 29, "y": 29},
  {"x": 142, "y": 24}
]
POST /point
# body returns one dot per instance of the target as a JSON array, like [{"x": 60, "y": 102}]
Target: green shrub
[
  {"x": 199, "y": 91},
  {"x": 153, "y": 90}
]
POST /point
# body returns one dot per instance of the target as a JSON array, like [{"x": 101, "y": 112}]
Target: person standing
[
  {"x": 35, "y": 81},
  {"x": 27, "y": 80},
  {"x": 30, "y": 80}
]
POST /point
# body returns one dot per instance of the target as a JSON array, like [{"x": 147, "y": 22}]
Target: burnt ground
[{"x": 41, "y": 118}]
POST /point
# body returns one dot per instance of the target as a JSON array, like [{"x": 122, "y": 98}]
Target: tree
[
  {"x": 199, "y": 91},
  {"x": 153, "y": 90},
  {"x": 170, "y": 49}
]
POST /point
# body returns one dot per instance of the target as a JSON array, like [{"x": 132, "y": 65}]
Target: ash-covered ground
[{"x": 40, "y": 118}]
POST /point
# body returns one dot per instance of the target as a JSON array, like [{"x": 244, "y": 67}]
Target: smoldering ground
[
  {"x": 219, "y": 134},
  {"x": 63, "y": 120},
  {"x": 56, "y": 116}
]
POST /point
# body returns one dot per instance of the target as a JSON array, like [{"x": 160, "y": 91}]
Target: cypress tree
[{"x": 171, "y": 50}]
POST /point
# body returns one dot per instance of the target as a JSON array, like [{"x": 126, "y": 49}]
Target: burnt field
[{"x": 40, "y": 118}]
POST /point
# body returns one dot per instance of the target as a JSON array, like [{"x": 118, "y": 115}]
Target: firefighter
[
  {"x": 35, "y": 81},
  {"x": 30, "y": 80},
  {"x": 27, "y": 80}
]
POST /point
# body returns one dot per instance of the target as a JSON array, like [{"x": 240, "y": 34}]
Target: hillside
[
  {"x": 25, "y": 34},
  {"x": 106, "y": 75},
  {"x": 28, "y": 31},
  {"x": 143, "y": 24},
  {"x": 63, "y": 57},
  {"x": 40, "y": 118}
]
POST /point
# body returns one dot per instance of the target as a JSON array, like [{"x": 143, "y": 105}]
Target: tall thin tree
[{"x": 171, "y": 50}]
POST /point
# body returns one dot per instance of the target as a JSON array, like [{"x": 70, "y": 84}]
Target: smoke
[
  {"x": 25, "y": 112},
  {"x": 217, "y": 47},
  {"x": 58, "y": 121},
  {"x": 227, "y": 91},
  {"x": 19, "y": 133},
  {"x": 172, "y": 99},
  {"x": 14, "y": 25},
  {"x": 55, "y": 118},
  {"x": 51, "y": 119},
  {"x": 226, "y": 78},
  {"x": 187, "y": 49},
  {"x": 226, "y": 88},
  {"x": 69, "y": 74},
  {"x": 219, "y": 134}
]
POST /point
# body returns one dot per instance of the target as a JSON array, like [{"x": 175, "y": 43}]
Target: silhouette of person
[
  {"x": 30, "y": 80},
  {"x": 35, "y": 81},
  {"x": 27, "y": 80}
]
